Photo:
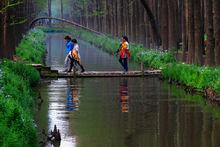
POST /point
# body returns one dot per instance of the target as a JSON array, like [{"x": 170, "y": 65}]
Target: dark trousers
[
  {"x": 124, "y": 63},
  {"x": 73, "y": 63}
]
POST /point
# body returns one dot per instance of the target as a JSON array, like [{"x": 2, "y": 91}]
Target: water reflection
[
  {"x": 72, "y": 98},
  {"x": 124, "y": 95},
  {"x": 58, "y": 114}
]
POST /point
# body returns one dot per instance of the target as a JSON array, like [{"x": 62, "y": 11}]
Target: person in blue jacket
[{"x": 69, "y": 47}]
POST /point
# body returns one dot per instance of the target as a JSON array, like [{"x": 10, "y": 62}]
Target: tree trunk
[
  {"x": 191, "y": 43},
  {"x": 216, "y": 8},
  {"x": 142, "y": 26},
  {"x": 5, "y": 31},
  {"x": 198, "y": 32},
  {"x": 164, "y": 25},
  {"x": 210, "y": 42},
  {"x": 153, "y": 23},
  {"x": 104, "y": 20},
  {"x": 109, "y": 16},
  {"x": 49, "y": 11},
  {"x": 134, "y": 23},
  {"x": 61, "y": 8},
  {"x": 172, "y": 25},
  {"x": 184, "y": 30}
]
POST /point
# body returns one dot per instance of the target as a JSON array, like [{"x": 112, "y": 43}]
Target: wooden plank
[
  {"x": 109, "y": 74},
  {"x": 47, "y": 72}
]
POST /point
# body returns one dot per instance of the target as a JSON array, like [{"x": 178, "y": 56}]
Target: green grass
[
  {"x": 17, "y": 127},
  {"x": 32, "y": 47},
  {"x": 194, "y": 76}
]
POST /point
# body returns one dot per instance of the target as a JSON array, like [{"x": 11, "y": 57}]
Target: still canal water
[{"x": 121, "y": 112}]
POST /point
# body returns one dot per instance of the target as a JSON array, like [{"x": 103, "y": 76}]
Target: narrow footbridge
[{"x": 46, "y": 72}]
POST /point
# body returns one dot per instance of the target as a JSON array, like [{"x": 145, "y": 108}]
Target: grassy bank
[
  {"x": 17, "y": 127},
  {"x": 32, "y": 47},
  {"x": 189, "y": 75}
]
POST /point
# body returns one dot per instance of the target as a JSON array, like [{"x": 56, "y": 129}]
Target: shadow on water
[{"x": 124, "y": 112}]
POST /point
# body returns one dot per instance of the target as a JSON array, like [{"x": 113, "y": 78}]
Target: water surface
[{"x": 121, "y": 112}]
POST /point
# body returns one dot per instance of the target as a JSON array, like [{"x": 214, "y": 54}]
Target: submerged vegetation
[{"x": 16, "y": 96}]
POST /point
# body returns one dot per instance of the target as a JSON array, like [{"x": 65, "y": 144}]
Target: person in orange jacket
[
  {"x": 75, "y": 57},
  {"x": 124, "y": 53}
]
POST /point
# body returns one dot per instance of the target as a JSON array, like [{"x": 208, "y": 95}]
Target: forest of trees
[
  {"x": 190, "y": 26},
  {"x": 15, "y": 16}
]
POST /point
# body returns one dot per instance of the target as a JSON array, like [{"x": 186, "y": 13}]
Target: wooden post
[
  {"x": 142, "y": 68},
  {"x": 74, "y": 72}
]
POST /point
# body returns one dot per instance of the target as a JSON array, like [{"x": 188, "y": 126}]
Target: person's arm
[
  {"x": 118, "y": 50},
  {"x": 69, "y": 54},
  {"x": 69, "y": 47}
]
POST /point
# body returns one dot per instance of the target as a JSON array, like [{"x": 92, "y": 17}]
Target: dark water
[{"x": 122, "y": 112}]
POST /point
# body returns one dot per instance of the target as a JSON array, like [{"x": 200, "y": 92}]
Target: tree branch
[
  {"x": 19, "y": 22},
  {"x": 3, "y": 10}
]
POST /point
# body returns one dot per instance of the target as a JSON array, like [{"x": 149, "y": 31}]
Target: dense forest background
[{"x": 191, "y": 27}]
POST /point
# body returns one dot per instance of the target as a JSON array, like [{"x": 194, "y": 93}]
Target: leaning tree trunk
[
  {"x": 154, "y": 25},
  {"x": 210, "y": 42},
  {"x": 198, "y": 32},
  {"x": 216, "y": 8}
]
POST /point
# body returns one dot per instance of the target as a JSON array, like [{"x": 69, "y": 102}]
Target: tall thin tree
[
  {"x": 191, "y": 42},
  {"x": 216, "y": 8},
  {"x": 209, "y": 31},
  {"x": 49, "y": 10},
  {"x": 198, "y": 32}
]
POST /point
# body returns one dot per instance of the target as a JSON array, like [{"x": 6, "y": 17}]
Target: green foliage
[
  {"x": 32, "y": 47},
  {"x": 192, "y": 75},
  {"x": 17, "y": 127},
  {"x": 156, "y": 59},
  {"x": 26, "y": 71}
]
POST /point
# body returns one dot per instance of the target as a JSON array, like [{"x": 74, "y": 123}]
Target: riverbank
[
  {"x": 17, "y": 97},
  {"x": 195, "y": 78},
  {"x": 32, "y": 47}
]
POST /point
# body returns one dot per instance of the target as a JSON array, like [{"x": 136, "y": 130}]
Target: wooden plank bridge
[{"x": 46, "y": 72}]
